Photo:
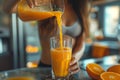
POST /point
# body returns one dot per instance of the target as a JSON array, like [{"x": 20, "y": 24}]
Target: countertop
[
  {"x": 46, "y": 73},
  {"x": 40, "y": 74}
]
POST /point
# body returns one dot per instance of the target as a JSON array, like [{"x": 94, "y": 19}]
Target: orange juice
[
  {"x": 60, "y": 61},
  {"x": 28, "y": 14},
  {"x": 20, "y": 78}
]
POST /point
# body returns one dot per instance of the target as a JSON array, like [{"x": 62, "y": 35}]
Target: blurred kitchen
[{"x": 19, "y": 41}]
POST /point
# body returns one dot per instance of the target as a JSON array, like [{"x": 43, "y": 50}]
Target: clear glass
[
  {"x": 43, "y": 10},
  {"x": 61, "y": 56}
]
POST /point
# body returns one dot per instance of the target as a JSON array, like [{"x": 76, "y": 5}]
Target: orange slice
[
  {"x": 110, "y": 76},
  {"x": 94, "y": 70}
]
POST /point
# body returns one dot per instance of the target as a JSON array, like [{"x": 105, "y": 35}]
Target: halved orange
[
  {"x": 94, "y": 70},
  {"x": 114, "y": 68},
  {"x": 110, "y": 76}
]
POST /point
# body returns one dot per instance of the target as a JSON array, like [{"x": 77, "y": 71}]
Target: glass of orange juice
[{"x": 60, "y": 56}]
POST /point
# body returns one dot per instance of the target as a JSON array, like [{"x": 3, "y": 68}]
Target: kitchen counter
[
  {"x": 46, "y": 74},
  {"x": 40, "y": 74},
  {"x": 105, "y": 62}
]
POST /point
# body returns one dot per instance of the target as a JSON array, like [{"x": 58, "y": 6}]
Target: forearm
[
  {"x": 78, "y": 54},
  {"x": 79, "y": 47},
  {"x": 10, "y": 6}
]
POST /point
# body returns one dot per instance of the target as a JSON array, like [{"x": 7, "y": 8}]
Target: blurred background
[{"x": 20, "y": 46}]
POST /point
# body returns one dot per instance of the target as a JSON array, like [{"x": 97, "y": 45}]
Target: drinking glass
[
  {"x": 43, "y": 10},
  {"x": 60, "y": 56}
]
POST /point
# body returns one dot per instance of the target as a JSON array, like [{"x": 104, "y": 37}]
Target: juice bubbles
[{"x": 60, "y": 61}]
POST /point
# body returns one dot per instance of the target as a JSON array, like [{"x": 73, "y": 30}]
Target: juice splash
[{"x": 60, "y": 61}]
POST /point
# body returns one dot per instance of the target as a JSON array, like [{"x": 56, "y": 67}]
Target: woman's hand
[
  {"x": 32, "y": 3},
  {"x": 74, "y": 66}
]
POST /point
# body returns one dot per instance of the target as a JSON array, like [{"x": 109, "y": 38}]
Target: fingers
[
  {"x": 31, "y": 3},
  {"x": 73, "y": 61},
  {"x": 35, "y": 2},
  {"x": 74, "y": 66},
  {"x": 75, "y": 71}
]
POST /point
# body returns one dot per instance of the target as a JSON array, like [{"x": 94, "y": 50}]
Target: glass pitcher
[{"x": 45, "y": 9}]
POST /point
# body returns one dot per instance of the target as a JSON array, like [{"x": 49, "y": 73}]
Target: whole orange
[{"x": 114, "y": 68}]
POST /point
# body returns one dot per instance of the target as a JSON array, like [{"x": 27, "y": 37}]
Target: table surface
[
  {"x": 46, "y": 73},
  {"x": 41, "y": 74}
]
